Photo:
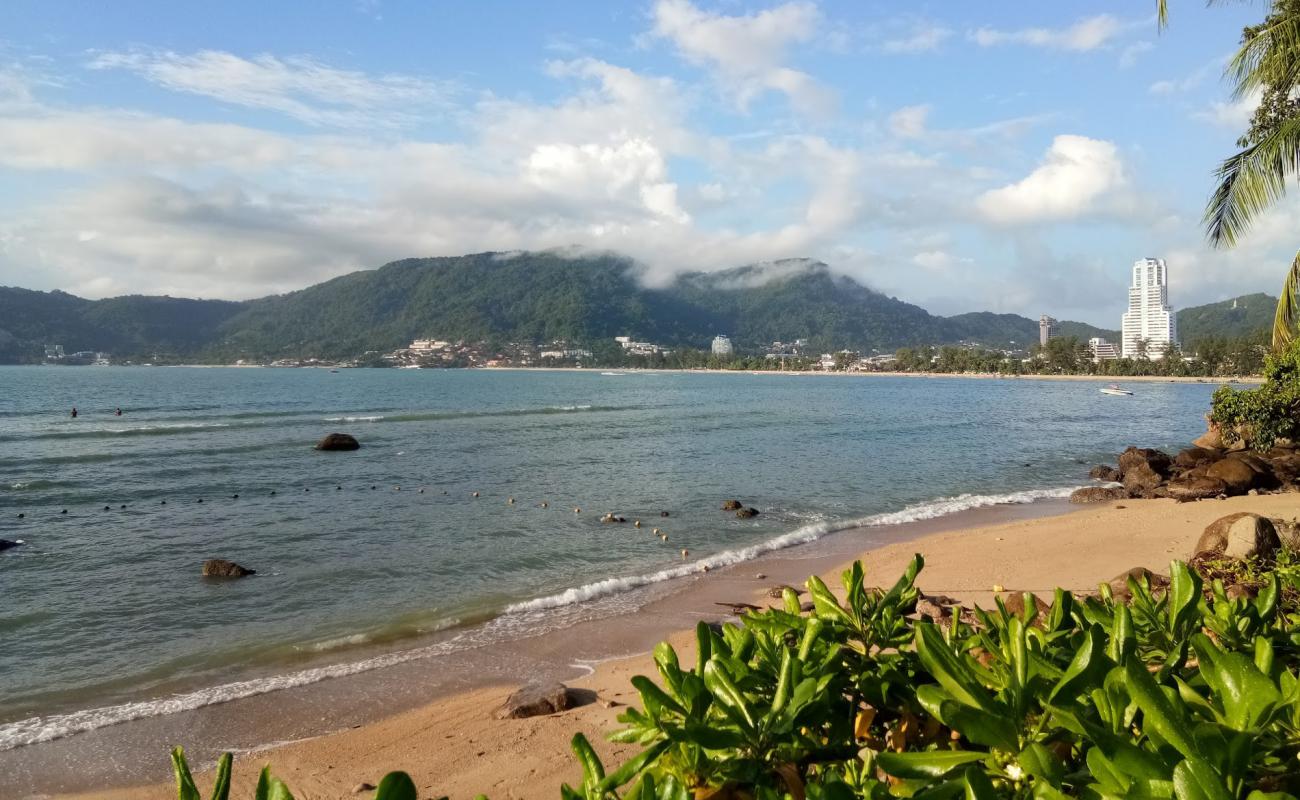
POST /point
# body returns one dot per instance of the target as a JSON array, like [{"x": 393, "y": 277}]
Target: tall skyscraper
[
  {"x": 1148, "y": 327},
  {"x": 722, "y": 346},
  {"x": 1046, "y": 330}
]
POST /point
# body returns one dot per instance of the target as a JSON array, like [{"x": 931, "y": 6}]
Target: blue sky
[{"x": 1008, "y": 156}]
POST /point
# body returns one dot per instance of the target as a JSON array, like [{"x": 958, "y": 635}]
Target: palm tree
[{"x": 1255, "y": 178}]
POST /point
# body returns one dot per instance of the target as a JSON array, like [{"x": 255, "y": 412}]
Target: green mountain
[
  {"x": 1240, "y": 316},
  {"x": 535, "y": 298}
]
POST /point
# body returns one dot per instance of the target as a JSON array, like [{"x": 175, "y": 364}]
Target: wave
[
  {"x": 35, "y": 730},
  {"x": 931, "y": 509},
  {"x": 374, "y": 418}
]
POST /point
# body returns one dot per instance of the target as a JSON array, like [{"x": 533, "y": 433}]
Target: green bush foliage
[
  {"x": 1267, "y": 413},
  {"x": 1186, "y": 693}
]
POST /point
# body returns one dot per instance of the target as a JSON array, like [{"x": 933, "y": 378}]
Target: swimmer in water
[
  {"x": 74, "y": 412},
  {"x": 117, "y": 413}
]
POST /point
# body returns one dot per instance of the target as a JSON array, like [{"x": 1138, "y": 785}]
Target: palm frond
[
  {"x": 1288, "y": 308},
  {"x": 1250, "y": 181},
  {"x": 1162, "y": 14},
  {"x": 1269, "y": 58}
]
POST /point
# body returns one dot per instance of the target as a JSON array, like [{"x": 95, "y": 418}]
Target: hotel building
[{"x": 1149, "y": 318}]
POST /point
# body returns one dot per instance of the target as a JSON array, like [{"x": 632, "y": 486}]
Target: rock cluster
[
  {"x": 338, "y": 441},
  {"x": 221, "y": 568},
  {"x": 1196, "y": 473}
]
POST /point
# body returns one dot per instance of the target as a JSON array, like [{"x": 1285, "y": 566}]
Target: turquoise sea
[{"x": 104, "y": 617}]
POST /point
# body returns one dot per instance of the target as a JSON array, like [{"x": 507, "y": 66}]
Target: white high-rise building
[
  {"x": 1149, "y": 318},
  {"x": 722, "y": 346}
]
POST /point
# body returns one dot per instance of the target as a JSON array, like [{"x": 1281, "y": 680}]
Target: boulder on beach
[
  {"x": 221, "y": 568},
  {"x": 746, "y": 513},
  {"x": 1015, "y": 603},
  {"x": 1212, "y": 439},
  {"x": 1237, "y": 475},
  {"x": 1136, "y": 457},
  {"x": 1193, "y": 487},
  {"x": 1196, "y": 456},
  {"x": 338, "y": 441},
  {"x": 1119, "y": 584},
  {"x": 1240, "y": 535},
  {"x": 1098, "y": 494},
  {"x": 1101, "y": 472},
  {"x": 732, "y": 505},
  {"x": 537, "y": 700}
]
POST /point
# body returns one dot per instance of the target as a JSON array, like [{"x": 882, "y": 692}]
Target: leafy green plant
[
  {"x": 1267, "y": 413},
  {"x": 393, "y": 786}
]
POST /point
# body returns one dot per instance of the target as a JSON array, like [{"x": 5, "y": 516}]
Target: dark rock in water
[
  {"x": 221, "y": 568},
  {"x": 746, "y": 513},
  {"x": 732, "y": 505},
  {"x": 1237, "y": 475},
  {"x": 1155, "y": 460},
  {"x": 1102, "y": 472},
  {"x": 1240, "y": 535},
  {"x": 536, "y": 701},
  {"x": 663, "y": 513},
  {"x": 5, "y": 544},
  {"x": 338, "y": 441},
  {"x": 1196, "y": 488},
  {"x": 1098, "y": 494},
  {"x": 612, "y": 517}
]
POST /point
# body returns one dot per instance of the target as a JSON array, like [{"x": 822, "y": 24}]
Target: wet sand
[{"x": 434, "y": 717}]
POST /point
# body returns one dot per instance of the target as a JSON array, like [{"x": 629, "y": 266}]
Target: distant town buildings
[
  {"x": 639, "y": 348},
  {"x": 1148, "y": 327},
  {"x": 1046, "y": 329},
  {"x": 1102, "y": 350},
  {"x": 722, "y": 346}
]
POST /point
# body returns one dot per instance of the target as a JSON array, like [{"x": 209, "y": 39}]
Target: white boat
[{"x": 1113, "y": 389}]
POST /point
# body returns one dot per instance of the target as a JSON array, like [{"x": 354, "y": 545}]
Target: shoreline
[
  {"x": 453, "y": 745},
  {"x": 131, "y": 753}
]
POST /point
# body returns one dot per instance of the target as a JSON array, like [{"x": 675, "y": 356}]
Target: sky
[{"x": 1013, "y": 156}]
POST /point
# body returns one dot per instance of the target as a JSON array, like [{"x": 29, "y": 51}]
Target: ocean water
[{"x": 104, "y": 617}]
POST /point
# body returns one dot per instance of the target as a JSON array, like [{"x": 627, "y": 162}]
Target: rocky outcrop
[
  {"x": 5, "y": 544},
  {"x": 1196, "y": 456},
  {"x": 746, "y": 513},
  {"x": 1238, "y": 476},
  {"x": 1142, "y": 469},
  {"x": 1098, "y": 494},
  {"x": 1195, "y": 488},
  {"x": 338, "y": 441},
  {"x": 732, "y": 505},
  {"x": 1101, "y": 472},
  {"x": 1241, "y": 535},
  {"x": 537, "y": 700},
  {"x": 221, "y": 568},
  {"x": 1200, "y": 473}
]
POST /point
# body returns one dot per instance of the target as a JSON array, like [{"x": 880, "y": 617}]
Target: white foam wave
[
  {"x": 568, "y": 408},
  {"x": 19, "y": 485},
  {"x": 368, "y": 418},
  {"x": 171, "y": 426},
  {"x": 921, "y": 511},
  {"x": 341, "y": 641}
]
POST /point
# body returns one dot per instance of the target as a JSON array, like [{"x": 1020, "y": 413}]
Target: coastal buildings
[
  {"x": 1148, "y": 327},
  {"x": 722, "y": 346},
  {"x": 1046, "y": 329},
  {"x": 1102, "y": 350},
  {"x": 632, "y": 348}
]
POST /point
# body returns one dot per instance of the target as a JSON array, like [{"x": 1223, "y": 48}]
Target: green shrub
[
  {"x": 1267, "y": 413},
  {"x": 1183, "y": 694}
]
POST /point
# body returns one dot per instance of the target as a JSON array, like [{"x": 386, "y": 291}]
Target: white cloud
[
  {"x": 1076, "y": 174},
  {"x": 1129, "y": 57},
  {"x": 909, "y": 122},
  {"x": 748, "y": 52},
  {"x": 1233, "y": 115},
  {"x": 299, "y": 87},
  {"x": 1086, "y": 34},
  {"x": 923, "y": 39}
]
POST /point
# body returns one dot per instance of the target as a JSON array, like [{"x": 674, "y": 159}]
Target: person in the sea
[
  {"x": 74, "y": 412},
  {"x": 117, "y": 413}
]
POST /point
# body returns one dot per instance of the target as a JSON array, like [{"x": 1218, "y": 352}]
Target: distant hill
[
  {"x": 530, "y": 297},
  {"x": 1240, "y": 316}
]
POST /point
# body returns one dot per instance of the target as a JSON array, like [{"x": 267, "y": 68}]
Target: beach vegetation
[
  {"x": 1268, "y": 413},
  {"x": 1179, "y": 692}
]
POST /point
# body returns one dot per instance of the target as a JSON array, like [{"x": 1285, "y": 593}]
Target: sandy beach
[
  {"x": 1244, "y": 379},
  {"x": 455, "y": 746}
]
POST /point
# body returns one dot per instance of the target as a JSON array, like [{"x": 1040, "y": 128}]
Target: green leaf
[
  {"x": 396, "y": 786},
  {"x": 949, "y": 670},
  {"x": 1184, "y": 597},
  {"x": 593, "y": 772},
  {"x": 981, "y": 727},
  {"x": 656, "y": 700},
  {"x": 978, "y": 785},
  {"x": 221, "y": 785},
  {"x": 633, "y": 767},
  {"x": 726, "y": 693},
  {"x": 1194, "y": 779},
  {"x": 1247, "y": 695},
  {"x": 926, "y": 765},
  {"x": 185, "y": 788},
  {"x": 1086, "y": 669},
  {"x": 1038, "y": 761},
  {"x": 1158, "y": 714},
  {"x": 263, "y": 791},
  {"x": 279, "y": 791},
  {"x": 703, "y": 646}
]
